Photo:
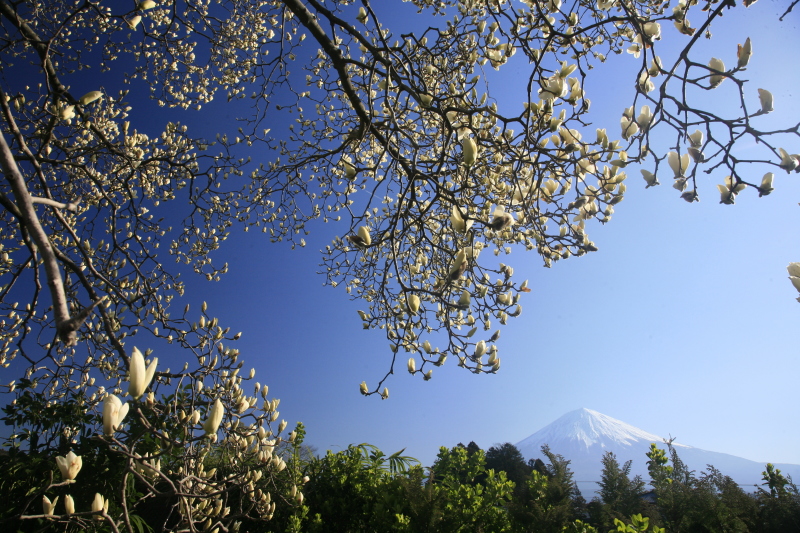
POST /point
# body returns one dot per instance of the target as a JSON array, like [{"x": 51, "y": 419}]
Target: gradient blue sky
[{"x": 684, "y": 323}]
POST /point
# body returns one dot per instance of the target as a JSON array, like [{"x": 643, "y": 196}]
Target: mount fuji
[{"x": 583, "y": 436}]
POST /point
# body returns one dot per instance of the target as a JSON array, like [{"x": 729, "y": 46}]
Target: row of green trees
[
  {"x": 361, "y": 489},
  {"x": 469, "y": 489}
]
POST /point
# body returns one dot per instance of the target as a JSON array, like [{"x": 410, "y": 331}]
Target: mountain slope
[{"x": 583, "y": 436}]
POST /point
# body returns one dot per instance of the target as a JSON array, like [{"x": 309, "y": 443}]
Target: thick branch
[{"x": 31, "y": 221}]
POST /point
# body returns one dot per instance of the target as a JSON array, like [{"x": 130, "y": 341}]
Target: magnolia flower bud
[
  {"x": 138, "y": 376},
  {"x": 459, "y": 265},
  {"x": 743, "y": 53},
  {"x": 465, "y": 299},
  {"x": 211, "y": 425},
  {"x": 718, "y": 65},
  {"x": 427, "y": 347},
  {"x": 134, "y": 21},
  {"x": 363, "y": 388},
  {"x": 99, "y": 504},
  {"x": 363, "y": 233},
  {"x": 69, "y": 465},
  {"x": 766, "y": 184},
  {"x": 458, "y": 221},
  {"x": 349, "y": 170},
  {"x": 362, "y": 15},
  {"x": 788, "y": 162},
  {"x": 69, "y": 504},
  {"x": 766, "y": 100},
  {"x": 412, "y": 365},
  {"x": 413, "y": 303},
  {"x": 282, "y": 426},
  {"x": 480, "y": 348},
  {"x": 385, "y": 393},
  {"x": 696, "y": 139},
  {"x": 90, "y": 97},
  {"x": 697, "y": 155},
  {"x": 469, "y": 151},
  {"x": 144, "y": 5}
]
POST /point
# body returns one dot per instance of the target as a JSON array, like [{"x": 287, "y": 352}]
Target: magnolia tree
[{"x": 397, "y": 134}]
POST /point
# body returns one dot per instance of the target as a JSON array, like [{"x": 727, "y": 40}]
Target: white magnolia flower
[
  {"x": 464, "y": 300},
  {"x": 480, "y": 348},
  {"x": 718, "y": 65},
  {"x": 679, "y": 164},
  {"x": 99, "y": 504},
  {"x": 69, "y": 465},
  {"x": 629, "y": 127},
  {"x": 794, "y": 275},
  {"x": 696, "y": 139},
  {"x": 412, "y": 365},
  {"x": 469, "y": 151},
  {"x": 134, "y": 21},
  {"x": 500, "y": 219},
  {"x": 90, "y": 97},
  {"x": 114, "y": 412},
  {"x": 697, "y": 155},
  {"x": 743, "y": 53},
  {"x": 788, "y": 162},
  {"x": 211, "y": 425},
  {"x": 67, "y": 112},
  {"x": 766, "y": 184},
  {"x": 766, "y": 100},
  {"x": 139, "y": 376},
  {"x": 69, "y": 504},
  {"x": 413, "y": 304},
  {"x": 645, "y": 118},
  {"x": 47, "y": 506},
  {"x": 458, "y": 221}
]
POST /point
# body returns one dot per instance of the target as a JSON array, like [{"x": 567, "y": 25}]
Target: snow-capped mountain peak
[
  {"x": 584, "y": 436},
  {"x": 588, "y": 427}
]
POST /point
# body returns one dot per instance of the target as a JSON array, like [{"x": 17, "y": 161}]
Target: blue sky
[{"x": 684, "y": 323}]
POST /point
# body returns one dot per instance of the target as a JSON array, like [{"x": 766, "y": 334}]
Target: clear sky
[{"x": 683, "y": 323}]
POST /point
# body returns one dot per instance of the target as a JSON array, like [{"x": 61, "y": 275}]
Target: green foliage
[
  {"x": 468, "y": 504},
  {"x": 638, "y": 524},
  {"x": 551, "y": 499},
  {"x": 779, "y": 508},
  {"x": 507, "y": 458},
  {"x": 578, "y": 526},
  {"x": 620, "y": 496},
  {"x": 350, "y": 491}
]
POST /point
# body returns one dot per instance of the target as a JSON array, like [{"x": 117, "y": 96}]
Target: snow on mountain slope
[
  {"x": 589, "y": 428},
  {"x": 583, "y": 436}
]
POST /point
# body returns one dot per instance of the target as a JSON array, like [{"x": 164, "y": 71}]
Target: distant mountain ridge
[{"x": 583, "y": 436}]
